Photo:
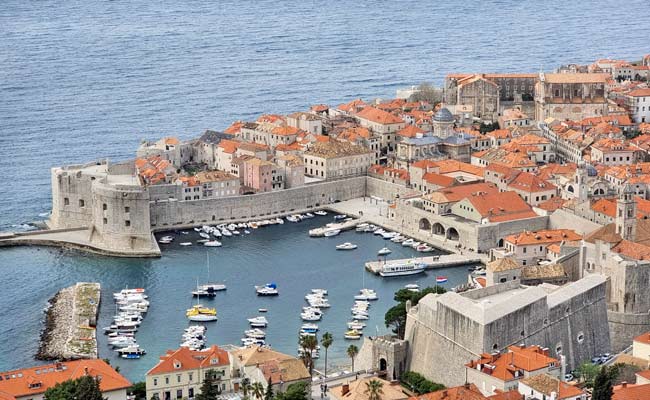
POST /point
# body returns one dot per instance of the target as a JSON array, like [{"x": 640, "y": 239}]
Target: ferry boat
[
  {"x": 270, "y": 289},
  {"x": 346, "y": 246},
  {"x": 198, "y": 313},
  {"x": 401, "y": 269}
]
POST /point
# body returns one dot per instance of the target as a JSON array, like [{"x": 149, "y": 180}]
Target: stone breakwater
[{"x": 70, "y": 324}]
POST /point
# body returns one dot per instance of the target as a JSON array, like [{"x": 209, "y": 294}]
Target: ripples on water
[{"x": 87, "y": 79}]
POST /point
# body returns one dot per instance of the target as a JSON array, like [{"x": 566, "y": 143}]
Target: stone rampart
[
  {"x": 623, "y": 327},
  {"x": 168, "y": 214}
]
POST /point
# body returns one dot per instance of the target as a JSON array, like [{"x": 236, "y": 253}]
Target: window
[
  {"x": 178, "y": 378},
  {"x": 127, "y": 209},
  {"x": 105, "y": 221},
  {"x": 127, "y": 223},
  {"x": 166, "y": 380},
  {"x": 179, "y": 394},
  {"x": 190, "y": 376},
  {"x": 66, "y": 201},
  {"x": 155, "y": 381},
  {"x": 82, "y": 203},
  {"x": 104, "y": 207},
  {"x": 581, "y": 337}
]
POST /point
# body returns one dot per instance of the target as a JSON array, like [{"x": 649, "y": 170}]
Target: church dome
[{"x": 443, "y": 115}]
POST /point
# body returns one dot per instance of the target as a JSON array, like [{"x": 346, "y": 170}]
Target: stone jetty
[{"x": 70, "y": 324}]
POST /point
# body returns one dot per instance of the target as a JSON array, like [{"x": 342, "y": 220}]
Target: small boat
[
  {"x": 331, "y": 232},
  {"x": 130, "y": 292},
  {"x": 258, "y": 322},
  {"x": 309, "y": 215},
  {"x": 186, "y": 244},
  {"x": 198, "y": 313},
  {"x": 201, "y": 241},
  {"x": 356, "y": 325},
  {"x": 441, "y": 279},
  {"x": 340, "y": 216},
  {"x": 197, "y": 229},
  {"x": 247, "y": 232},
  {"x": 379, "y": 231},
  {"x": 389, "y": 235},
  {"x": 320, "y": 212},
  {"x": 255, "y": 333},
  {"x": 398, "y": 239},
  {"x": 408, "y": 242},
  {"x": 322, "y": 292},
  {"x": 309, "y": 327},
  {"x": 384, "y": 251},
  {"x": 423, "y": 248},
  {"x": 415, "y": 245},
  {"x": 236, "y": 233},
  {"x": 413, "y": 287},
  {"x": 480, "y": 272},
  {"x": 246, "y": 341},
  {"x": 204, "y": 235},
  {"x": 359, "y": 316},
  {"x": 352, "y": 334},
  {"x": 212, "y": 243},
  {"x": 262, "y": 310},
  {"x": 309, "y": 316},
  {"x": 226, "y": 232},
  {"x": 346, "y": 246},
  {"x": 133, "y": 351},
  {"x": 366, "y": 294},
  {"x": 270, "y": 289}
]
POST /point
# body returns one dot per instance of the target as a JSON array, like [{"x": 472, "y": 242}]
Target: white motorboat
[
  {"x": 309, "y": 327},
  {"x": 346, "y": 246},
  {"x": 258, "y": 322},
  {"x": 217, "y": 233},
  {"x": 340, "y": 216},
  {"x": 359, "y": 316},
  {"x": 236, "y": 233},
  {"x": 413, "y": 287},
  {"x": 137, "y": 307},
  {"x": 270, "y": 289},
  {"x": 126, "y": 342},
  {"x": 320, "y": 212},
  {"x": 186, "y": 243},
  {"x": 130, "y": 292},
  {"x": 309, "y": 215},
  {"x": 423, "y": 248},
  {"x": 322, "y": 292},
  {"x": 356, "y": 325},
  {"x": 389, "y": 235},
  {"x": 379, "y": 231},
  {"x": 384, "y": 251},
  {"x": 415, "y": 245},
  {"x": 409, "y": 267},
  {"x": 308, "y": 316},
  {"x": 247, "y": 232},
  {"x": 331, "y": 232},
  {"x": 204, "y": 235},
  {"x": 255, "y": 333},
  {"x": 408, "y": 242},
  {"x": 366, "y": 294},
  {"x": 212, "y": 243},
  {"x": 398, "y": 239},
  {"x": 252, "y": 342},
  {"x": 226, "y": 232}
]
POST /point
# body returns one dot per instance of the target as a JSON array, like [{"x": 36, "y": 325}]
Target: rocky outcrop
[{"x": 70, "y": 321}]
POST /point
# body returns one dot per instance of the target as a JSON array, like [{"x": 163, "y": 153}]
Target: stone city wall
[
  {"x": 623, "y": 327},
  {"x": 384, "y": 189},
  {"x": 169, "y": 214}
]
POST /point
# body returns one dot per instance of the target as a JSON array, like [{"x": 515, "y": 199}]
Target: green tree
[
  {"x": 269, "y": 390},
  {"x": 488, "y": 127},
  {"x": 395, "y": 317},
  {"x": 586, "y": 373},
  {"x": 258, "y": 390},
  {"x": 209, "y": 388},
  {"x": 326, "y": 341},
  {"x": 308, "y": 345},
  {"x": 373, "y": 389},
  {"x": 84, "y": 388},
  {"x": 418, "y": 383},
  {"x": 427, "y": 92},
  {"x": 625, "y": 373},
  {"x": 245, "y": 387},
  {"x": 352, "y": 352},
  {"x": 139, "y": 390},
  {"x": 603, "y": 383},
  {"x": 295, "y": 391}
]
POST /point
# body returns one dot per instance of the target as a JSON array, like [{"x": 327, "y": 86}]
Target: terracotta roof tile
[
  {"x": 186, "y": 359},
  {"x": 379, "y": 116}
]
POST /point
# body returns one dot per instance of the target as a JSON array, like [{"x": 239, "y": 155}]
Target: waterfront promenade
[{"x": 375, "y": 211}]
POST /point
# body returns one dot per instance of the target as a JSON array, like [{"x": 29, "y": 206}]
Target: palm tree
[
  {"x": 258, "y": 390},
  {"x": 308, "y": 345},
  {"x": 245, "y": 387},
  {"x": 326, "y": 341},
  {"x": 352, "y": 352},
  {"x": 373, "y": 389}
]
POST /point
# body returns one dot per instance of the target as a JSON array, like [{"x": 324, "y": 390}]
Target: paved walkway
[
  {"x": 334, "y": 381},
  {"x": 376, "y": 212}
]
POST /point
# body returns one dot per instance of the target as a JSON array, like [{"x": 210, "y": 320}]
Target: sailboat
[
  {"x": 198, "y": 313},
  {"x": 208, "y": 289}
]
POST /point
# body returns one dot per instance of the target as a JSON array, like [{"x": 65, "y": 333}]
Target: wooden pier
[{"x": 431, "y": 262}]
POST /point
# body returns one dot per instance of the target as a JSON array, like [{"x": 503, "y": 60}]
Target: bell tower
[
  {"x": 626, "y": 214},
  {"x": 582, "y": 189}
]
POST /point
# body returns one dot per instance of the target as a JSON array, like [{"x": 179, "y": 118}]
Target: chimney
[
  {"x": 86, "y": 371},
  {"x": 345, "y": 389},
  {"x": 624, "y": 384}
]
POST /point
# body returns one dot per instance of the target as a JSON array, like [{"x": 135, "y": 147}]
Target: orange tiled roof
[
  {"x": 410, "y": 131},
  {"x": 319, "y": 108},
  {"x": 547, "y": 384},
  {"x": 607, "y": 144},
  {"x": 234, "y": 128},
  {"x": 552, "y": 204},
  {"x": 576, "y": 78},
  {"x": 354, "y": 133},
  {"x": 636, "y": 392},
  {"x": 504, "y": 366},
  {"x": 465, "y": 392},
  {"x": 352, "y": 106},
  {"x": 186, "y": 359},
  {"x": 640, "y": 92},
  {"x": 36, "y": 380},
  {"x": 438, "y": 180},
  {"x": 450, "y": 166},
  {"x": 285, "y": 130},
  {"x": 172, "y": 141},
  {"x": 501, "y": 206},
  {"x": 229, "y": 146},
  {"x": 530, "y": 183},
  {"x": 643, "y": 338},
  {"x": 271, "y": 118},
  {"x": 500, "y": 134},
  {"x": 379, "y": 116},
  {"x": 543, "y": 237},
  {"x": 424, "y": 164},
  {"x": 457, "y": 193}
]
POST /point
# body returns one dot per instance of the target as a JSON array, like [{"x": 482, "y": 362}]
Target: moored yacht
[
  {"x": 270, "y": 289},
  {"x": 384, "y": 251},
  {"x": 346, "y": 246}
]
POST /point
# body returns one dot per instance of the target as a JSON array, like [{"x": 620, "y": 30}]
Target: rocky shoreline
[{"x": 69, "y": 331}]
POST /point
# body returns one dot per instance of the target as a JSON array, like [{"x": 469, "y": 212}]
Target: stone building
[
  {"x": 335, "y": 159},
  {"x": 180, "y": 373},
  {"x": 570, "y": 96},
  {"x": 385, "y": 354},
  {"x": 307, "y": 122},
  {"x": 448, "y": 330}
]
